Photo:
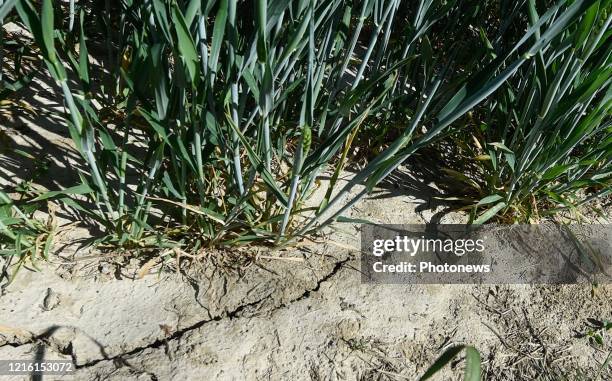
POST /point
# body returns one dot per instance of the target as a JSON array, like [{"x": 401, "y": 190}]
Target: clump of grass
[
  {"x": 543, "y": 143},
  {"x": 226, "y": 123},
  {"x": 25, "y": 236},
  {"x": 24, "y": 239}
]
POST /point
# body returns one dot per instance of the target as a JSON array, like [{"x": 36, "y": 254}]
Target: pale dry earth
[{"x": 304, "y": 317}]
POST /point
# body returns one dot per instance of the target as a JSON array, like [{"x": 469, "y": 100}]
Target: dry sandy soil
[{"x": 302, "y": 315}]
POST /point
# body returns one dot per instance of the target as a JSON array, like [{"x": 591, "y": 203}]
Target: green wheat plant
[
  {"x": 237, "y": 126},
  {"x": 24, "y": 239},
  {"x": 232, "y": 111},
  {"x": 545, "y": 141}
]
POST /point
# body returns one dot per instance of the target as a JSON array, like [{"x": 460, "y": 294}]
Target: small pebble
[{"x": 52, "y": 300}]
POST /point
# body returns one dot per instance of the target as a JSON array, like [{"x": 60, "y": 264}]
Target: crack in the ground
[
  {"x": 174, "y": 336},
  {"x": 337, "y": 267},
  {"x": 236, "y": 313},
  {"x": 68, "y": 350},
  {"x": 43, "y": 340}
]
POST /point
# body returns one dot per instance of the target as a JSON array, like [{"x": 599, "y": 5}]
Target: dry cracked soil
[{"x": 299, "y": 314}]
